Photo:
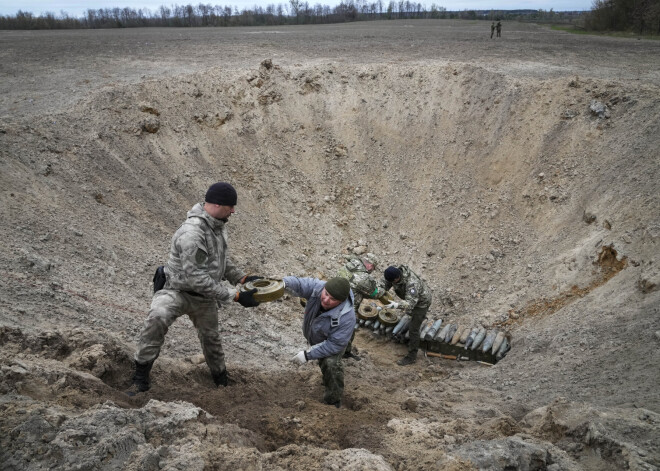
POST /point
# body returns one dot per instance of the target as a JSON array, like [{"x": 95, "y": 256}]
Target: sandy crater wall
[{"x": 501, "y": 191}]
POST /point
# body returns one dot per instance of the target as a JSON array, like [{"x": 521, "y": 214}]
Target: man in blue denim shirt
[{"x": 328, "y": 325}]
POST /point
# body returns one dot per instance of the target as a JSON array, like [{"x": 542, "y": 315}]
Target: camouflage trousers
[
  {"x": 417, "y": 315},
  {"x": 333, "y": 377},
  {"x": 166, "y": 306}
]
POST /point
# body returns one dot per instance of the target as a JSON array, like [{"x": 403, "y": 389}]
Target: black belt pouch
[{"x": 159, "y": 278}]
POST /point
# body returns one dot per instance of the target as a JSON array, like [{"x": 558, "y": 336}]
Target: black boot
[
  {"x": 220, "y": 379},
  {"x": 408, "y": 359},
  {"x": 141, "y": 381}
]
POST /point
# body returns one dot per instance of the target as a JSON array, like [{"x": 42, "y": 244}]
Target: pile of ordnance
[{"x": 446, "y": 339}]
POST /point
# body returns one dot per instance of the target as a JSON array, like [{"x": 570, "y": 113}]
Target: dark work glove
[
  {"x": 252, "y": 278},
  {"x": 246, "y": 298}
]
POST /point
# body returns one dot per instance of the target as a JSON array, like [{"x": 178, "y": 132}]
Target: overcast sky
[{"x": 78, "y": 7}]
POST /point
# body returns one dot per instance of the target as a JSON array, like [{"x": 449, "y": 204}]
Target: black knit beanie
[
  {"x": 221, "y": 193},
  {"x": 338, "y": 288},
  {"x": 392, "y": 273}
]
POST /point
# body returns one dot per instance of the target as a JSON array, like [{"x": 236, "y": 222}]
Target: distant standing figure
[
  {"x": 492, "y": 29},
  {"x": 499, "y": 29}
]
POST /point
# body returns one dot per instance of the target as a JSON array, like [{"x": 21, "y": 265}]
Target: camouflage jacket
[
  {"x": 411, "y": 289},
  {"x": 361, "y": 282},
  {"x": 199, "y": 258}
]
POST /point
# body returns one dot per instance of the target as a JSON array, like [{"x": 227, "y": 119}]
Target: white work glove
[
  {"x": 300, "y": 358},
  {"x": 392, "y": 305}
]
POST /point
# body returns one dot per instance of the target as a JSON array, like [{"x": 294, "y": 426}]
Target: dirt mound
[
  {"x": 56, "y": 402},
  {"x": 497, "y": 182}
]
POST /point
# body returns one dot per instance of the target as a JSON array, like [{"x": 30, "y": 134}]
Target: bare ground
[{"x": 478, "y": 162}]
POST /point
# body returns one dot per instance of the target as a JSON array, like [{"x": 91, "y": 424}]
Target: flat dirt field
[{"x": 519, "y": 176}]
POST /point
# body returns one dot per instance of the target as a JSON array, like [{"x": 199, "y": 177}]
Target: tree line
[
  {"x": 639, "y": 16},
  {"x": 293, "y": 12}
]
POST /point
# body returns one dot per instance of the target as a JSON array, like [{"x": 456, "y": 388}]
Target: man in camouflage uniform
[
  {"x": 416, "y": 300},
  {"x": 198, "y": 262},
  {"x": 358, "y": 273}
]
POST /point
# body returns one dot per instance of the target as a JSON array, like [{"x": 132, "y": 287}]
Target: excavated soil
[{"x": 518, "y": 176}]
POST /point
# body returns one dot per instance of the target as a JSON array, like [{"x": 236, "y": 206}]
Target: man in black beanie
[
  {"x": 191, "y": 283},
  {"x": 416, "y": 296},
  {"x": 328, "y": 326}
]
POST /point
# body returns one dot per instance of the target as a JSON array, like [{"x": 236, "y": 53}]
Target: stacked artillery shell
[
  {"x": 388, "y": 330},
  {"x": 471, "y": 336},
  {"x": 376, "y": 325},
  {"x": 450, "y": 333},
  {"x": 440, "y": 336},
  {"x": 497, "y": 343},
  {"x": 503, "y": 349},
  {"x": 425, "y": 327},
  {"x": 488, "y": 341},
  {"x": 457, "y": 335},
  {"x": 403, "y": 326},
  {"x": 403, "y": 323},
  {"x": 464, "y": 335},
  {"x": 433, "y": 330},
  {"x": 369, "y": 323},
  {"x": 481, "y": 335}
]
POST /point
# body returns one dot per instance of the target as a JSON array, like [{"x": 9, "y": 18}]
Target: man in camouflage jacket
[
  {"x": 197, "y": 265},
  {"x": 358, "y": 273},
  {"x": 416, "y": 300}
]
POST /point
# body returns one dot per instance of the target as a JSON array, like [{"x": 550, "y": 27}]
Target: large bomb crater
[{"x": 522, "y": 204}]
